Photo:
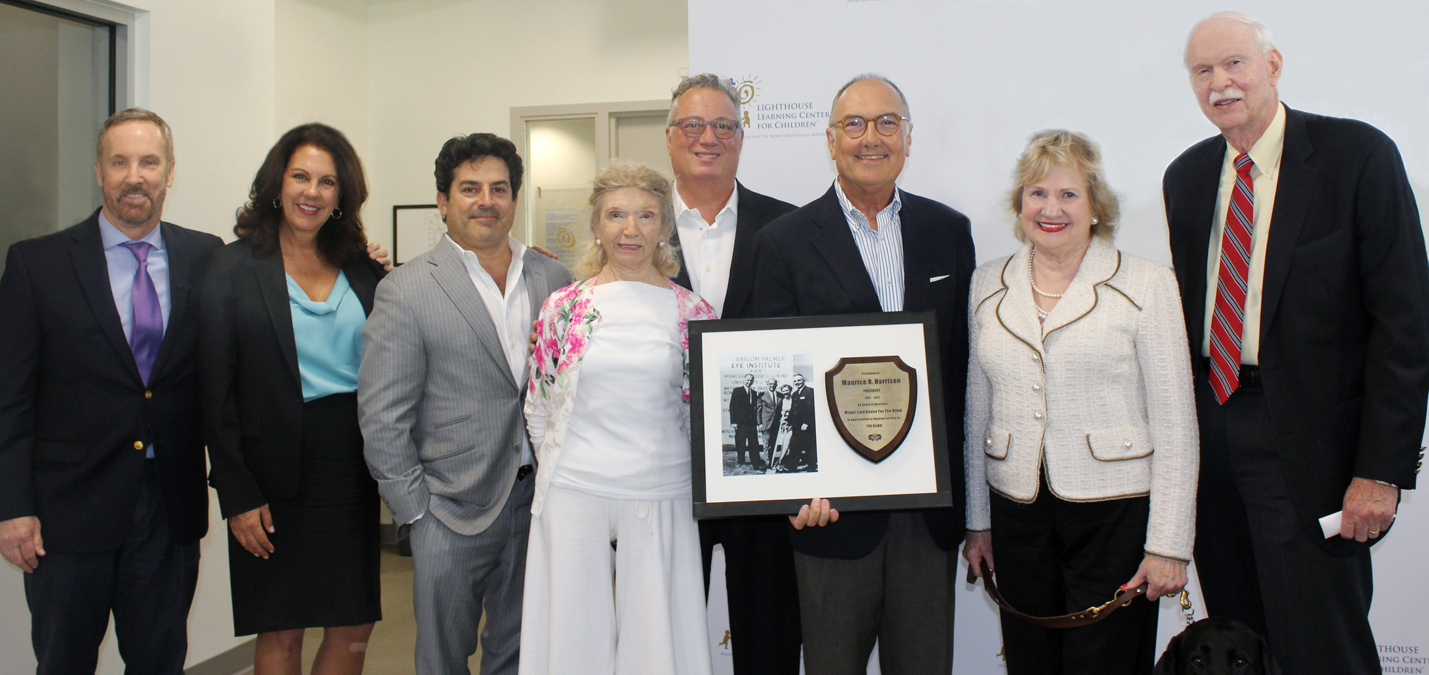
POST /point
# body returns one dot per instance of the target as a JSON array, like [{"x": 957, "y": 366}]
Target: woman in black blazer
[{"x": 281, "y": 333}]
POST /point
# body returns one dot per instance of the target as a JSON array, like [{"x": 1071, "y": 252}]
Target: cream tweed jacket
[{"x": 1099, "y": 396}]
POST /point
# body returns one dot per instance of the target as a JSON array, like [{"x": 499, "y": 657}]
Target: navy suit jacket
[
  {"x": 75, "y": 417},
  {"x": 806, "y": 264},
  {"x": 1344, "y": 327}
]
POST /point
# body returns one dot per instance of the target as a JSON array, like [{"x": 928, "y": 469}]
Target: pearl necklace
[
  {"x": 1042, "y": 314},
  {"x": 1035, "y": 289}
]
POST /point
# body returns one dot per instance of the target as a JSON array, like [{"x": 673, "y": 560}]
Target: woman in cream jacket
[{"x": 1081, "y": 450}]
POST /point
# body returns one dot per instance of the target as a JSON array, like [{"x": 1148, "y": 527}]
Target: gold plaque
[{"x": 872, "y": 400}]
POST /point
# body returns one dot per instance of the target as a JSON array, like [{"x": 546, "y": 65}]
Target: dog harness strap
[{"x": 1085, "y": 617}]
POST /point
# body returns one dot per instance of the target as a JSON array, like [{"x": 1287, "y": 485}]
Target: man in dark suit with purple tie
[{"x": 102, "y": 495}]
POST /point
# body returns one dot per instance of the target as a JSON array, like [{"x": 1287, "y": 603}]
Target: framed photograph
[
  {"x": 415, "y": 230},
  {"x": 848, "y": 408}
]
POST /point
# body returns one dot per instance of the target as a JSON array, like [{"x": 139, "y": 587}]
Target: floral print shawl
[{"x": 563, "y": 330}]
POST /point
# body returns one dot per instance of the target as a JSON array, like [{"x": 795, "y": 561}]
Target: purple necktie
[{"x": 147, "y": 333}]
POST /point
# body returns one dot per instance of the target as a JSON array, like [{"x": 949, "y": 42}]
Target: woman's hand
[
  {"x": 251, "y": 529},
  {"x": 1162, "y": 577},
  {"x": 815, "y": 513},
  {"x": 978, "y": 552}
]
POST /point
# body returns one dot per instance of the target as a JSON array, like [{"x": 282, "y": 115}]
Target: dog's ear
[
  {"x": 1170, "y": 662},
  {"x": 1268, "y": 665}
]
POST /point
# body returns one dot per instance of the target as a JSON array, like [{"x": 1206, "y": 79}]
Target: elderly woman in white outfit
[
  {"x": 607, "y": 409},
  {"x": 1081, "y": 448}
]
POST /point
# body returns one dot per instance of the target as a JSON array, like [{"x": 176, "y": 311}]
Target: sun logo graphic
[{"x": 748, "y": 89}]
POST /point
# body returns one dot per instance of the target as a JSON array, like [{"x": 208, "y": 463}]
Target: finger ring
[{"x": 1374, "y": 533}]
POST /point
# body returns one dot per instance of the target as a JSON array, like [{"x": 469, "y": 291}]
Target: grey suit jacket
[{"x": 440, "y": 412}]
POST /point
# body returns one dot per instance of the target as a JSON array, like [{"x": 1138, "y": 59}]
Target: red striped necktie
[{"x": 1232, "y": 283}]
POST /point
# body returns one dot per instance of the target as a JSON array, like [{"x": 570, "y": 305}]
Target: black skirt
[{"x": 324, "y": 567}]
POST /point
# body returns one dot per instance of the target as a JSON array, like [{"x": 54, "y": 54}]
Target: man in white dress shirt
[
  {"x": 716, "y": 219},
  {"x": 440, "y": 396}
]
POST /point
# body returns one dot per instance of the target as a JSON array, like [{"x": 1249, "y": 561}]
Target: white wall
[{"x": 446, "y": 67}]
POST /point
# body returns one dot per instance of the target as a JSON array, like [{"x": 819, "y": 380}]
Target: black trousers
[
  {"x": 746, "y": 444},
  {"x": 763, "y": 596},
  {"x": 147, "y": 583},
  {"x": 901, "y": 596},
  {"x": 1254, "y": 558},
  {"x": 1055, "y": 557}
]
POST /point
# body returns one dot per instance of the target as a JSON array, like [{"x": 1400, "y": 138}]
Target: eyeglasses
[
  {"x": 694, "y": 127},
  {"x": 887, "y": 125}
]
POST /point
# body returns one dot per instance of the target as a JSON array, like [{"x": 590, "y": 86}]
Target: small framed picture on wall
[{"x": 415, "y": 230}]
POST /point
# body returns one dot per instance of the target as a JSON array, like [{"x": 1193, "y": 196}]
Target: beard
[{"x": 133, "y": 214}]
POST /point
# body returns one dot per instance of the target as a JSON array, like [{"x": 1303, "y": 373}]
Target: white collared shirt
[
  {"x": 881, "y": 249},
  {"x": 511, "y": 314},
  {"x": 1264, "y": 176},
  {"x": 708, "y": 247}
]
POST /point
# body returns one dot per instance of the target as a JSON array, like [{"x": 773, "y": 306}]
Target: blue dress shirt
[
  {"x": 329, "y": 338},
  {"x": 123, "y": 265}
]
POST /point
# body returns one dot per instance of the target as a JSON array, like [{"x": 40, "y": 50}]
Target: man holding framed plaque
[
  {"x": 716, "y": 219},
  {"x": 867, "y": 246}
]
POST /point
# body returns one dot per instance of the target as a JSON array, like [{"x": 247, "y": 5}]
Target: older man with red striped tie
[{"x": 1300, "y": 257}]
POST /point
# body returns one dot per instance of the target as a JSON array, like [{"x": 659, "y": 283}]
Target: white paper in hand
[{"x": 1330, "y": 524}]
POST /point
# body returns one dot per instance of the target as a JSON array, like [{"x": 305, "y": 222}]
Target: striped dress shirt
[{"x": 881, "y": 249}]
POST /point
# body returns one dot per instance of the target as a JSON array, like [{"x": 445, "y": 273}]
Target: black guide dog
[{"x": 1217, "y": 646}]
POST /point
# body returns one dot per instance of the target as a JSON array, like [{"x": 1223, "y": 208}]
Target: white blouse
[{"x": 629, "y": 432}]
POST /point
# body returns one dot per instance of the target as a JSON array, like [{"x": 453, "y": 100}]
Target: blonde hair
[
  {"x": 1069, "y": 150},
  {"x": 642, "y": 177}
]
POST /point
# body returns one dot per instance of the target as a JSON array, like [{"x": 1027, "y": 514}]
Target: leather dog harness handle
[{"x": 1086, "y": 617}]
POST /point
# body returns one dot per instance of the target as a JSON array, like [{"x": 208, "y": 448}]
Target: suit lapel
[
  {"x": 1199, "y": 216},
  {"x": 741, "y": 265},
  {"x": 363, "y": 281},
  {"x": 916, "y": 266},
  {"x": 536, "y": 284},
  {"x": 1293, "y": 193},
  {"x": 1015, "y": 309},
  {"x": 180, "y": 279},
  {"x": 92, "y": 270},
  {"x": 450, "y": 274},
  {"x": 683, "y": 276},
  {"x": 836, "y": 246},
  {"x": 273, "y": 285},
  {"x": 1099, "y": 265}
]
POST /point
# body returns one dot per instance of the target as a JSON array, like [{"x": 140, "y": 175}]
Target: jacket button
[
  {"x": 987, "y": 441},
  {"x": 138, "y": 445},
  {"x": 148, "y": 394},
  {"x": 1127, "y": 444},
  {"x": 1036, "y": 357},
  {"x": 1037, "y": 415},
  {"x": 516, "y": 447},
  {"x": 1036, "y": 387}
]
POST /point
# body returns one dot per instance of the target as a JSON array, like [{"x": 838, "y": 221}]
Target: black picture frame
[{"x": 821, "y": 330}]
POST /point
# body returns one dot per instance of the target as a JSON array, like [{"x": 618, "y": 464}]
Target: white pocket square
[{"x": 938, "y": 278}]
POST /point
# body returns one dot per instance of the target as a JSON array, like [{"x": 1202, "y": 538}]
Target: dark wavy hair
[
  {"x": 341, "y": 239},
  {"x": 462, "y": 149}
]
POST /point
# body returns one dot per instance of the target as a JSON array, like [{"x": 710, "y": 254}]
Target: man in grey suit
[{"x": 440, "y": 395}]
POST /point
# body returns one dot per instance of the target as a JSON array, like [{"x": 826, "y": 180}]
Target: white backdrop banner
[{"x": 981, "y": 75}]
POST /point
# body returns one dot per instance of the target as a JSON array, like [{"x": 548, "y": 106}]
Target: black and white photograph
[{"x": 768, "y": 413}]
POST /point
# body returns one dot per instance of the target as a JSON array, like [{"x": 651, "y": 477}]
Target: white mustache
[{"x": 1229, "y": 92}]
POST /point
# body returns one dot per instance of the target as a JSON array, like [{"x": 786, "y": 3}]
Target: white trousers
[{"x": 639, "y": 610}]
